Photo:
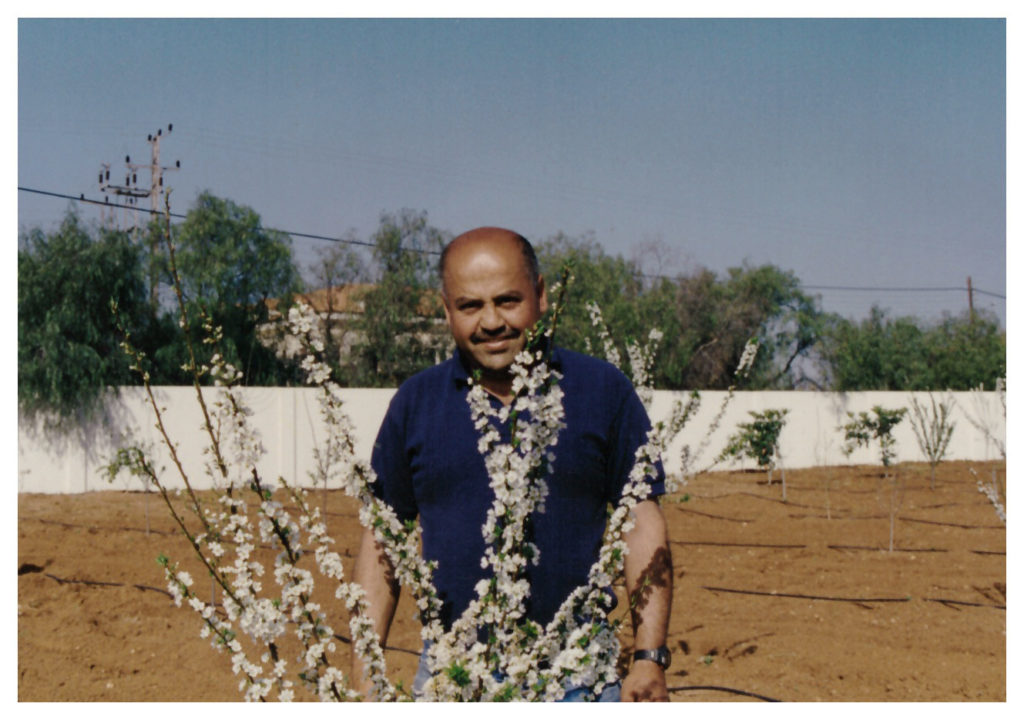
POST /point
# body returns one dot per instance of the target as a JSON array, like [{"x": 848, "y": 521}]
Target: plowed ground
[{"x": 798, "y": 600}]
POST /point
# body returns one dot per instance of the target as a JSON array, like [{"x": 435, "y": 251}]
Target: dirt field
[{"x": 795, "y": 601}]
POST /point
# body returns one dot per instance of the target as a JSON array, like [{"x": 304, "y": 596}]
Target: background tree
[
  {"x": 336, "y": 267},
  {"x": 68, "y": 351},
  {"x": 716, "y": 317},
  {"x": 966, "y": 351},
  {"x": 613, "y": 283},
  {"x": 886, "y": 353},
  {"x": 706, "y": 320},
  {"x": 230, "y": 265},
  {"x": 402, "y": 327}
]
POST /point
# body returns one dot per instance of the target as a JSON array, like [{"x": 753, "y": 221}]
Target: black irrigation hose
[
  {"x": 29, "y": 568},
  {"x": 101, "y": 583},
  {"x": 719, "y": 688},
  {"x": 949, "y": 524},
  {"x": 953, "y": 603},
  {"x": 800, "y": 596},
  {"x": 715, "y": 517},
  {"x": 772, "y": 546},
  {"x": 875, "y": 548}
]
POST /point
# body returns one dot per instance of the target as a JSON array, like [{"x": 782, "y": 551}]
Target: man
[{"x": 428, "y": 465}]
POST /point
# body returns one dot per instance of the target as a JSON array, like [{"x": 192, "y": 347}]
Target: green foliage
[
  {"x": 68, "y": 339},
  {"x": 67, "y": 345},
  {"x": 865, "y": 428},
  {"x": 402, "y": 327},
  {"x": 885, "y": 353},
  {"x": 706, "y": 320},
  {"x": 230, "y": 265},
  {"x": 758, "y": 440},
  {"x": 611, "y": 282}
]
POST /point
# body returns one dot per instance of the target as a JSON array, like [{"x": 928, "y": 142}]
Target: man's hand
[{"x": 645, "y": 683}]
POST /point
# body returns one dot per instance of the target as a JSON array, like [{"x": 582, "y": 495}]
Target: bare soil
[{"x": 797, "y": 601}]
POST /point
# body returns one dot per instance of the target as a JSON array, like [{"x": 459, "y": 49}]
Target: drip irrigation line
[
  {"x": 714, "y": 517},
  {"x": 800, "y": 596},
  {"x": 787, "y": 503},
  {"x": 874, "y": 548},
  {"x": 956, "y": 525},
  {"x": 122, "y": 528},
  {"x": 103, "y": 583},
  {"x": 953, "y": 603},
  {"x": 227, "y": 541},
  {"x": 719, "y": 688},
  {"x": 734, "y": 544}
]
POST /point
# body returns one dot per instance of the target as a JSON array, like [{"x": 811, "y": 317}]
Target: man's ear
[
  {"x": 444, "y": 304},
  {"x": 542, "y": 294}
]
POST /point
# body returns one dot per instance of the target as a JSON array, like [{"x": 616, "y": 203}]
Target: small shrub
[
  {"x": 864, "y": 428},
  {"x": 933, "y": 429},
  {"x": 758, "y": 440}
]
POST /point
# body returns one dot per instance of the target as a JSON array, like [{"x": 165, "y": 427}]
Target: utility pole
[
  {"x": 133, "y": 192},
  {"x": 970, "y": 299}
]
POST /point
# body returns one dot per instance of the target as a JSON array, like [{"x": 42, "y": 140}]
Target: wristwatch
[{"x": 660, "y": 655}]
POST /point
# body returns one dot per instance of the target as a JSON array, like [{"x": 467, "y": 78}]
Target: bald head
[{"x": 492, "y": 237}]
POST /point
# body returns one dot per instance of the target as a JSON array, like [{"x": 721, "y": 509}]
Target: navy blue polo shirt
[{"x": 428, "y": 466}]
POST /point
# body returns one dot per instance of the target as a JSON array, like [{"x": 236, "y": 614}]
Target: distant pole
[
  {"x": 970, "y": 299},
  {"x": 155, "y": 193}
]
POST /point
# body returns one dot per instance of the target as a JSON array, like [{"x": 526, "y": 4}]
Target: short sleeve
[
  {"x": 629, "y": 432},
  {"x": 390, "y": 462}
]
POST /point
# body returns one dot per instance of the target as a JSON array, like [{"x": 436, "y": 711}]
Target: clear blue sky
[{"x": 867, "y": 153}]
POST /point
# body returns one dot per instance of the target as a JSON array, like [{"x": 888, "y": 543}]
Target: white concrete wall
[{"x": 289, "y": 425}]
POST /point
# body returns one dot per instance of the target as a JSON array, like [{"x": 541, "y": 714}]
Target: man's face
[{"x": 490, "y": 301}]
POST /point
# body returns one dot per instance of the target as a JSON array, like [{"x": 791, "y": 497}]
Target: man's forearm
[
  {"x": 649, "y": 576},
  {"x": 649, "y": 587},
  {"x": 374, "y": 574}
]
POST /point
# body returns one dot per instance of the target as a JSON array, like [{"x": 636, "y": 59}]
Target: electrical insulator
[
  {"x": 134, "y": 176},
  {"x": 101, "y": 178},
  {"x": 127, "y": 159},
  {"x": 108, "y": 176},
  {"x": 149, "y": 138},
  {"x": 159, "y": 133},
  {"x": 170, "y": 126},
  {"x": 177, "y": 163}
]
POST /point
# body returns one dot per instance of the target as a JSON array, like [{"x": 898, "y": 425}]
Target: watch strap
[{"x": 660, "y": 655}]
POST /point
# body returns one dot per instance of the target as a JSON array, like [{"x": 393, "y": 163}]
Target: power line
[
  {"x": 310, "y": 236},
  {"x": 363, "y": 243},
  {"x": 863, "y": 288},
  {"x": 899, "y": 289}
]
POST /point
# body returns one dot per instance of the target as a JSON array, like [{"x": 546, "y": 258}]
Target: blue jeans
[{"x": 611, "y": 693}]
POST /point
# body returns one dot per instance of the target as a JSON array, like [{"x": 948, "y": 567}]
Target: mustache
[{"x": 479, "y": 339}]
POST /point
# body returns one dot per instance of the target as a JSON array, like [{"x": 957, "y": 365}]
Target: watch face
[{"x": 663, "y": 657}]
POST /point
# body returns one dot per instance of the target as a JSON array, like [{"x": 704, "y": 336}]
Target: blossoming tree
[{"x": 519, "y": 659}]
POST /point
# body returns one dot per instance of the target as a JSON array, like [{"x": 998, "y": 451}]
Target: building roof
[{"x": 348, "y": 299}]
